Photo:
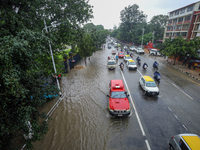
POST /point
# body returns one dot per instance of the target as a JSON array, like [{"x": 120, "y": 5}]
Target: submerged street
[{"x": 82, "y": 120}]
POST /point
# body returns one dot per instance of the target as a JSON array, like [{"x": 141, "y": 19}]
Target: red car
[
  {"x": 121, "y": 55},
  {"x": 118, "y": 99}
]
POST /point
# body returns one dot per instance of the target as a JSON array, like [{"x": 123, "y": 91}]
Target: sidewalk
[{"x": 182, "y": 68}]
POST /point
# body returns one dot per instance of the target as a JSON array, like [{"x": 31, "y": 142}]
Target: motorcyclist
[
  {"x": 155, "y": 64},
  {"x": 121, "y": 65},
  {"x": 108, "y": 57},
  {"x": 138, "y": 58},
  {"x": 157, "y": 75},
  {"x": 145, "y": 65},
  {"x": 131, "y": 54},
  {"x": 127, "y": 52}
]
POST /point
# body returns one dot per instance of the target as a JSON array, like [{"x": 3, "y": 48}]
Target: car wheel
[
  {"x": 145, "y": 93},
  {"x": 152, "y": 53}
]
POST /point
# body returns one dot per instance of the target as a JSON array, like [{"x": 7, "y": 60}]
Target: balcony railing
[{"x": 187, "y": 21}]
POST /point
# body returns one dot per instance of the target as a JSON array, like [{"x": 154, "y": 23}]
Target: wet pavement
[{"x": 82, "y": 120}]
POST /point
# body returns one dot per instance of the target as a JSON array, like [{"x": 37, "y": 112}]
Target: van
[
  {"x": 186, "y": 141},
  {"x": 111, "y": 64},
  {"x": 154, "y": 52}
]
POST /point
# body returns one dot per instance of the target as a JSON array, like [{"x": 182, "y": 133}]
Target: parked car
[
  {"x": 118, "y": 99},
  {"x": 111, "y": 64},
  {"x": 139, "y": 51},
  {"x": 121, "y": 54},
  {"x": 154, "y": 52},
  {"x": 149, "y": 86},
  {"x": 132, "y": 48},
  {"x": 127, "y": 57},
  {"x": 186, "y": 141},
  {"x": 131, "y": 65}
]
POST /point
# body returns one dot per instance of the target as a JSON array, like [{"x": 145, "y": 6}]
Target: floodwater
[{"x": 82, "y": 120}]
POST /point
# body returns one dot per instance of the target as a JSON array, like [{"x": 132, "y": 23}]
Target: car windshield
[
  {"x": 120, "y": 53},
  {"x": 151, "y": 84},
  {"x": 118, "y": 95},
  {"x": 111, "y": 63},
  {"x": 128, "y": 57},
  {"x": 132, "y": 63}
]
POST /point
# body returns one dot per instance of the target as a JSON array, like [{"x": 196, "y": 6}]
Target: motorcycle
[
  {"x": 145, "y": 67},
  {"x": 139, "y": 62},
  {"x": 155, "y": 66},
  {"x": 121, "y": 67},
  {"x": 157, "y": 78}
]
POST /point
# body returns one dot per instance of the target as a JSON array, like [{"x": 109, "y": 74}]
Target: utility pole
[
  {"x": 53, "y": 60},
  {"x": 142, "y": 36},
  {"x": 153, "y": 36}
]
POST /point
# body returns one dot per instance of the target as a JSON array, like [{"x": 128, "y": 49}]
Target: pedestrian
[
  {"x": 190, "y": 64},
  {"x": 184, "y": 61},
  {"x": 195, "y": 65}
]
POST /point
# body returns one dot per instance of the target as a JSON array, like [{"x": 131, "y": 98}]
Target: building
[{"x": 184, "y": 21}]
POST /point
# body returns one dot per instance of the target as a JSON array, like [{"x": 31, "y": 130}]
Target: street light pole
[
  {"x": 53, "y": 60},
  {"x": 142, "y": 36},
  {"x": 153, "y": 36}
]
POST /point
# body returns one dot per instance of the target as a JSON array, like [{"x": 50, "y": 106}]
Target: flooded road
[{"x": 82, "y": 120}]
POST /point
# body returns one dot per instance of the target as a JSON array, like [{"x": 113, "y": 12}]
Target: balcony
[
  {"x": 179, "y": 22},
  {"x": 187, "y": 21}
]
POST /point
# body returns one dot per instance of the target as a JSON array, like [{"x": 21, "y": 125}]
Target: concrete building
[{"x": 184, "y": 21}]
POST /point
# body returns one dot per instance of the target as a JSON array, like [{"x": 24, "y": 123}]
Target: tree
[
  {"x": 157, "y": 24},
  {"x": 132, "y": 21},
  {"x": 146, "y": 38},
  {"x": 22, "y": 87},
  {"x": 25, "y": 59},
  {"x": 175, "y": 47},
  {"x": 86, "y": 47}
]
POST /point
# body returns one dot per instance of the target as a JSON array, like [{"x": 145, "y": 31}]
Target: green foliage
[
  {"x": 86, "y": 47},
  {"x": 132, "y": 21},
  {"x": 180, "y": 47},
  {"x": 146, "y": 38},
  {"x": 20, "y": 76},
  {"x": 25, "y": 58},
  {"x": 157, "y": 24}
]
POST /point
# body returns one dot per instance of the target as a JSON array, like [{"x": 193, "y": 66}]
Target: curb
[{"x": 183, "y": 72}]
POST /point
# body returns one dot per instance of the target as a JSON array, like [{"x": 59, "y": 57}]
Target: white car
[
  {"x": 149, "y": 86},
  {"x": 154, "y": 52},
  {"x": 111, "y": 64},
  {"x": 132, "y": 48},
  {"x": 140, "y": 51},
  {"x": 127, "y": 57},
  {"x": 131, "y": 65},
  {"x": 125, "y": 47}
]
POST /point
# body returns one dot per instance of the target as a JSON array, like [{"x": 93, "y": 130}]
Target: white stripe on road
[
  {"x": 136, "y": 113},
  {"x": 182, "y": 91}
]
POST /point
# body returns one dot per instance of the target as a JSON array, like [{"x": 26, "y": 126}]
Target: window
[
  {"x": 167, "y": 34},
  {"x": 171, "y": 14},
  {"x": 187, "y": 18},
  {"x": 170, "y": 21},
  {"x": 196, "y": 27},
  {"x": 198, "y": 20},
  {"x": 189, "y": 8},
  {"x": 180, "y": 19},
  {"x": 199, "y": 6},
  {"x": 178, "y": 27},
  {"x": 175, "y": 20},
  {"x": 184, "y": 33},
  {"x": 185, "y": 27},
  {"x": 168, "y": 28},
  {"x": 182, "y": 11},
  {"x": 177, "y": 12}
]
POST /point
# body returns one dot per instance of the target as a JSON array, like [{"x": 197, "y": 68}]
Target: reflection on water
[{"x": 82, "y": 120}]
